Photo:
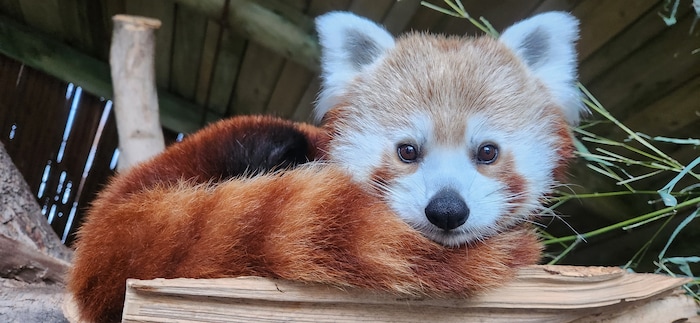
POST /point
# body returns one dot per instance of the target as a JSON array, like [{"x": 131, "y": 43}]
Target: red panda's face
[
  {"x": 461, "y": 137},
  {"x": 460, "y": 146}
]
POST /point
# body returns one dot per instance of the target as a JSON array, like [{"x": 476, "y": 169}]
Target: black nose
[{"x": 447, "y": 210}]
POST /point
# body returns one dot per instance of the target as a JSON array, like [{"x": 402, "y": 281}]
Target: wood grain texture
[{"x": 539, "y": 294}]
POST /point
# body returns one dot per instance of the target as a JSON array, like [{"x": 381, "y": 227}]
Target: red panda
[{"x": 435, "y": 153}]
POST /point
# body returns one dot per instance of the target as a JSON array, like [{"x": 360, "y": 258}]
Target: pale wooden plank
[
  {"x": 540, "y": 294},
  {"x": 190, "y": 26}
]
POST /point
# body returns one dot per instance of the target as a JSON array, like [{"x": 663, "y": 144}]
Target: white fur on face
[
  {"x": 448, "y": 96},
  {"x": 453, "y": 166}
]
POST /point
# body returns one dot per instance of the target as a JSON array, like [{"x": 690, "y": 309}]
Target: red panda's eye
[
  {"x": 407, "y": 153},
  {"x": 487, "y": 154}
]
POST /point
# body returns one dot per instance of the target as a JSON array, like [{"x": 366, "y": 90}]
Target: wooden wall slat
[
  {"x": 103, "y": 31},
  {"x": 259, "y": 72},
  {"x": 603, "y": 19},
  {"x": 41, "y": 14},
  {"x": 77, "y": 149},
  {"x": 74, "y": 20},
  {"x": 226, "y": 70},
  {"x": 500, "y": 14},
  {"x": 190, "y": 27},
  {"x": 292, "y": 80},
  {"x": 165, "y": 12},
  {"x": 291, "y": 85},
  {"x": 304, "y": 106},
  {"x": 656, "y": 120},
  {"x": 372, "y": 9},
  {"x": 428, "y": 20},
  {"x": 99, "y": 173},
  {"x": 647, "y": 27},
  {"x": 556, "y": 5},
  {"x": 399, "y": 16},
  {"x": 12, "y": 8},
  {"x": 663, "y": 64},
  {"x": 207, "y": 63}
]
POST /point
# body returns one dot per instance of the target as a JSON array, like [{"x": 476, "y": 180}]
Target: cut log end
[{"x": 136, "y": 22}]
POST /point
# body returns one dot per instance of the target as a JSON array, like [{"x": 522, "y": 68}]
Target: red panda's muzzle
[{"x": 447, "y": 210}]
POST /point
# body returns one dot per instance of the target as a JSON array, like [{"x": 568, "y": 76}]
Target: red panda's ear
[
  {"x": 547, "y": 45},
  {"x": 349, "y": 46}
]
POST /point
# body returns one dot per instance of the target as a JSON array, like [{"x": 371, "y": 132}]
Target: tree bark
[
  {"x": 33, "y": 261},
  {"x": 25, "y": 302},
  {"x": 20, "y": 214},
  {"x": 132, "y": 62}
]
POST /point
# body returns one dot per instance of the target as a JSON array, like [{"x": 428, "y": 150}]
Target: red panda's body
[
  {"x": 296, "y": 226},
  {"x": 436, "y": 152}
]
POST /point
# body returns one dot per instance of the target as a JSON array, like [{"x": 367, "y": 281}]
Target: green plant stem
[
  {"x": 595, "y": 105},
  {"x": 623, "y": 223}
]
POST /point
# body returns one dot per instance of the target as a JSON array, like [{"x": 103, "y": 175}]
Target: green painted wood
[
  {"x": 190, "y": 28},
  {"x": 265, "y": 27},
  {"x": 63, "y": 62},
  {"x": 225, "y": 71}
]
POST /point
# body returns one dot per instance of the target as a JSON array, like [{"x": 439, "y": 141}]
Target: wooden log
[
  {"x": 50, "y": 56},
  {"x": 132, "y": 62},
  {"x": 540, "y": 294},
  {"x": 33, "y": 261},
  {"x": 20, "y": 214},
  {"x": 19, "y": 261},
  {"x": 36, "y": 302}
]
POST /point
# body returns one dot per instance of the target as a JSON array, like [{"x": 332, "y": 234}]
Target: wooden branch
[
  {"x": 540, "y": 294},
  {"x": 264, "y": 27},
  {"x": 63, "y": 62},
  {"x": 132, "y": 62},
  {"x": 23, "y": 263},
  {"x": 20, "y": 213}
]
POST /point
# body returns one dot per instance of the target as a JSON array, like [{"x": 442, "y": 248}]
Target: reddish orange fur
[{"x": 308, "y": 224}]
